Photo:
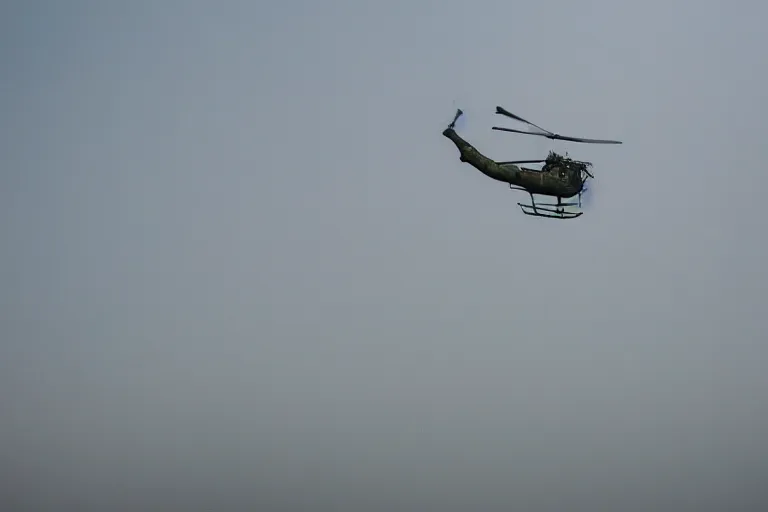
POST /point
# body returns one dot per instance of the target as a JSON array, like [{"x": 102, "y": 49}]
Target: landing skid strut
[{"x": 541, "y": 210}]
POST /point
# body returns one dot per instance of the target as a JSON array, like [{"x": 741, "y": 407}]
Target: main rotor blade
[
  {"x": 505, "y": 112},
  {"x": 555, "y": 136},
  {"x": 586, "y": 141},
  {"x": 547, "y": 134}
]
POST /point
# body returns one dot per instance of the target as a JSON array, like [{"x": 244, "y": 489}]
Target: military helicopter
[{"x": 560, "y": 177}]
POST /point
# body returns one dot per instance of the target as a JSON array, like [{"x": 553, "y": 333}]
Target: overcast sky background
[{"x": 242, "y": 269}]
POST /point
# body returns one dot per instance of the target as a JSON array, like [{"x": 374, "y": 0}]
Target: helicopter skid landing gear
[
  {"x": 541, "y": 210},
  {"x": 551, "y": 214}
]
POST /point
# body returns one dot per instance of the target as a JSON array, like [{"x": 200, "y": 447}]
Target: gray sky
[{"x": 242, "y": 269}]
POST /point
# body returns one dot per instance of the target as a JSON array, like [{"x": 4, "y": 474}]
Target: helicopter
[{"x": 560, "y": 176}]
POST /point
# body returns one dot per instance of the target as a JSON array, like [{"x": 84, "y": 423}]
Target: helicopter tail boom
[{"x": 467, "y": 153}]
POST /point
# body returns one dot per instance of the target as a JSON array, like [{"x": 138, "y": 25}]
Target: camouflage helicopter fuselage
[{"x": 559, "y": 177}]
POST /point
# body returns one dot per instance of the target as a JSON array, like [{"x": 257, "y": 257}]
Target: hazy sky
[{"x": 241, "y": 269}]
